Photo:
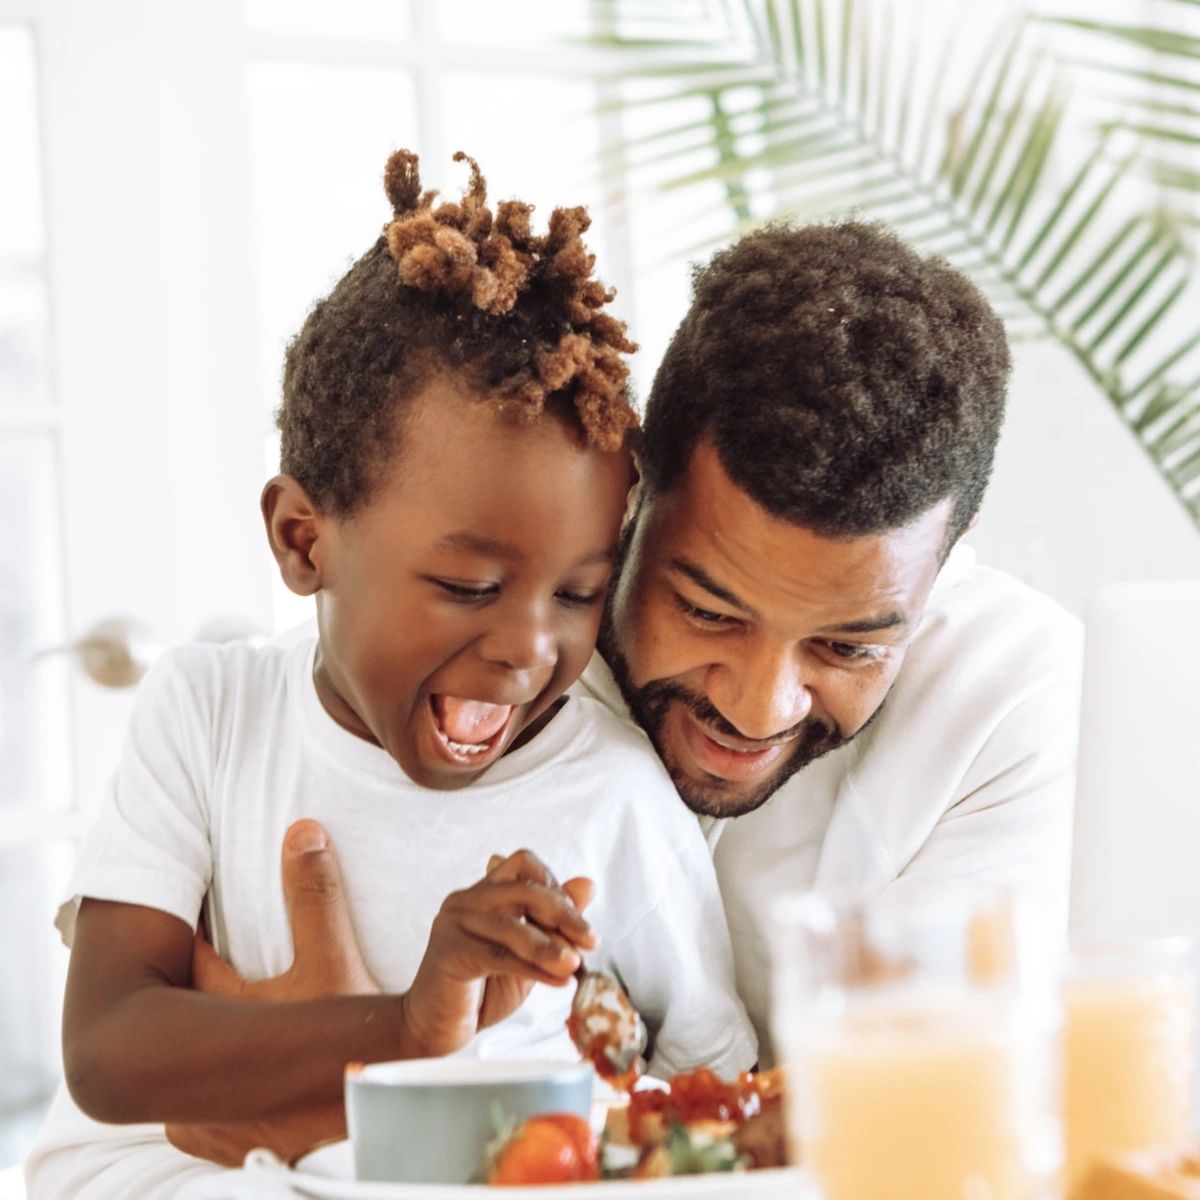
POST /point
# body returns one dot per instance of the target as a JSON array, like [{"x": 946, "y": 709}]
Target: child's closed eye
[
  {"x": 580, "y": 599},
  {"x": 467, "y": 593}
]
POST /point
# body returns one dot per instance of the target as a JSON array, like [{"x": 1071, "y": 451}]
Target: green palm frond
[
  {"x": 1052, "y": 171},
  {"x": 1155, "y": 66}
]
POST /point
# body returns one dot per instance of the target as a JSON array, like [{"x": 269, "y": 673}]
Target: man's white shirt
[{"x": 967, "y": 774}]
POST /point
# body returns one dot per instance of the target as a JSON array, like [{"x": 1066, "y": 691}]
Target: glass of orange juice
[
  {"x": 919, "y": 1037},
  {"x": 1129, "y": 1051}
]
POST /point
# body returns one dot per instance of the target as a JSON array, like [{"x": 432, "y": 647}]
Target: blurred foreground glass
[
  {"x": 919, "y": 1036},
  {"x": 1129, "y": 1051}
]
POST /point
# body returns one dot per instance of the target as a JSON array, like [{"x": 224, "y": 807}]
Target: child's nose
[{"x": 521, "y": 642}]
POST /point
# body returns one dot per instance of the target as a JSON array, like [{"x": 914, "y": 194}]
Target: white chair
[{"x": 1136, "y": 869}]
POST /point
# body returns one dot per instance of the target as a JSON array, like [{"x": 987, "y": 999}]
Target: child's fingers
[
  {"x": 523, "y": 864},
  {"x": 551, "y": 908},
  {"x": 512, "y": 947},
  {"x": 581, "y": 890}
]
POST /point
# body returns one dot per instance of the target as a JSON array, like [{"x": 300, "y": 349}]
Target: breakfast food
[
  {"x": 1174, "y": 1176},
  {"x": 697, "y": 1124},
  {"x": 606, "y": 1029},
  {"x": 552, "y": 1148},
  {"x": 744, "y": 1116}
]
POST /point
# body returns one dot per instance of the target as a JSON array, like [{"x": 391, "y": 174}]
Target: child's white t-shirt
[{"x": 229, "y": 745}]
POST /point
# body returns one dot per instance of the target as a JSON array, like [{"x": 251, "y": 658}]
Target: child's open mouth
[{"x": 468, "y": 729}]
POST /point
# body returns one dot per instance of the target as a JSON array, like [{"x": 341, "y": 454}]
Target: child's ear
[{"x": 294, "y": 527}]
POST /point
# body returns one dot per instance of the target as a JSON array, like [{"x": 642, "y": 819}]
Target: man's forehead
[{"x": 711, "y": 532}]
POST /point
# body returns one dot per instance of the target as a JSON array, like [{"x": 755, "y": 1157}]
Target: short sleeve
[{"x": 150, "y": 844}]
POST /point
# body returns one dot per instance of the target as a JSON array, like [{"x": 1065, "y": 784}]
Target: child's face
[{"x": 465, "y": 596}]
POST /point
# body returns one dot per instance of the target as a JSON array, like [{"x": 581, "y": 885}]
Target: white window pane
[
  {"x": 387, "y": 19},
  {"x": 34, "y": 721},
  {"x": 319, "y": 139},
  {"x": 528, "y": 24},
  {"x": 22, "y": 237},
  {"x": 31, "y": 883},
  {"x": 491, "y": 117},
  {"x": 21, "y": 231}
]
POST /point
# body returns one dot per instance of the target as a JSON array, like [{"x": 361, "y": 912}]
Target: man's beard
[{"x": 649, "y": 705}]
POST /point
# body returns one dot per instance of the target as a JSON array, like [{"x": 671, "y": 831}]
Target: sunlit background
[{"x": 179, "y": 180}]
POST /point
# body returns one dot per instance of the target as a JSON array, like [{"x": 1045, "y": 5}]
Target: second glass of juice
[
  {"x": 1129, "y": 1051},
  {"x": 920, "y": 1039}
]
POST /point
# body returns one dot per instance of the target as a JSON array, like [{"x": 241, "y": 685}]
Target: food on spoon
[
  {"x": 606, "y": 1029},
  {"x": 550, "y": 1148},
  {"x": 1170, "y": 1176}
]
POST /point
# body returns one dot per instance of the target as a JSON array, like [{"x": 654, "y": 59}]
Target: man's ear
[{"x": 295, "y": 527}]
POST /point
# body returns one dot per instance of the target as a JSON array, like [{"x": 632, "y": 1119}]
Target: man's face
[{"x": 747, "y": 646}]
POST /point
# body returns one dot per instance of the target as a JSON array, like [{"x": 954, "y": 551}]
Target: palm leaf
[{"x": 1058, "y": 197}]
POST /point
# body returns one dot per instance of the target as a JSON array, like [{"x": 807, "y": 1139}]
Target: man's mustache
[{"x": 660, "y": 694}]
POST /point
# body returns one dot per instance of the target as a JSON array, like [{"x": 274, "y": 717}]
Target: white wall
[{"x": 1074, "y": 502}]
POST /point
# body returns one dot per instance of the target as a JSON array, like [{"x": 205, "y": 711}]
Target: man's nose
[
  {"x": 762, "y": 694},
  {"x": 521, "y": 639}
]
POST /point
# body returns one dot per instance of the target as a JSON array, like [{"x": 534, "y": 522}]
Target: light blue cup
[{"x": 429, "y": 1120}]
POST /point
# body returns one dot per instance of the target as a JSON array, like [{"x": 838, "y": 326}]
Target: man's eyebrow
[
  {"x": 701, "y": 578},
  {"x": 868, "y": 624},
  {"x": 475, "y": 543}
]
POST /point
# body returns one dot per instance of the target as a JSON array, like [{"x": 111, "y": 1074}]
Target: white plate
[{"x": 327, "y": 1174}]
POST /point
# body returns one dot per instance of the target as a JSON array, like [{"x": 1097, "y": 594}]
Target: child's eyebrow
[{"x": 475, "y": 543}]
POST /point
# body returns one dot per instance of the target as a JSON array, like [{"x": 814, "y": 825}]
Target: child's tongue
[{"x": 469, "y": 721}]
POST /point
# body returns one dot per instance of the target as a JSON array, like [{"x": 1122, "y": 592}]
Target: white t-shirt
[
  {"x": 229, "y": 745},
  {"x": 968, "y": 773}
]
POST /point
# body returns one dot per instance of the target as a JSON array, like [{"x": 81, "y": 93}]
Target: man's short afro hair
[{"x": 847, "y": 383}]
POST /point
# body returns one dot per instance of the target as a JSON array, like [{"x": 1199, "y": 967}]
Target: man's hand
[
  {"x": 326, "y": 962},
  {"x": 490, "y": 944}
]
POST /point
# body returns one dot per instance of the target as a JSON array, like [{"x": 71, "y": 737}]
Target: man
[
  {"x": 793, "y": 623},
  {"x": 836, "y": 689}
]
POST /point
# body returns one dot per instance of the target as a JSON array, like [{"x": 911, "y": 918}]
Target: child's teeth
[{"x": 464, "y": 749}]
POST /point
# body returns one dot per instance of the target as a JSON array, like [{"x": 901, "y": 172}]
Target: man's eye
[
  {"x": 703, "y": 615},
  {"x": 467, "y": 592},
  {"x": 852, "y": 651}
]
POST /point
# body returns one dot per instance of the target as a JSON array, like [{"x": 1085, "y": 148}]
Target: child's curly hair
[{"x": 452, "y": 287}]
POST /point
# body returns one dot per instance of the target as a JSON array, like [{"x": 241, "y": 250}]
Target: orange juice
[
  {"x": 929, "y": 1106},
  {"x": 1128, "y": 1066}
]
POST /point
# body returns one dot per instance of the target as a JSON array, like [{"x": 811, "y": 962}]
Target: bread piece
[{"x": 1174, "y": 1176}]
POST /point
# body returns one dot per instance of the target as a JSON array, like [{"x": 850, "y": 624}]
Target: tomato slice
[{"x": 551, "y": 1148}]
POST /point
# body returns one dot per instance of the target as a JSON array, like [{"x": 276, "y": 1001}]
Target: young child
[{"x": 455, "y": 469}]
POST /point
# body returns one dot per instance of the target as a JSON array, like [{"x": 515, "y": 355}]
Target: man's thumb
[
  {"x": 322, "y": 933},
  {"x": 210, "y": 972}
]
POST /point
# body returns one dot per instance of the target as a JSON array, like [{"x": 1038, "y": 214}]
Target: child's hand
[{"x": 490, "y": 944}]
